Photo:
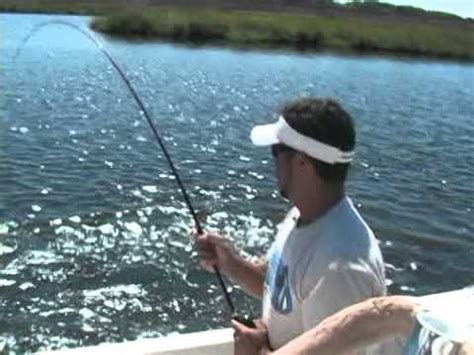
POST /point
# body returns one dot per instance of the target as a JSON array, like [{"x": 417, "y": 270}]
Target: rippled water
[{"x": 94, "y": 242}]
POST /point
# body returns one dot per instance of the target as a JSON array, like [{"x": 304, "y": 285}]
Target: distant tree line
[{"x": 330, "y": 2}]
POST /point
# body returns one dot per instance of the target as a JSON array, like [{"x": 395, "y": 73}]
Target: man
[{"x": 324, "y": 257}]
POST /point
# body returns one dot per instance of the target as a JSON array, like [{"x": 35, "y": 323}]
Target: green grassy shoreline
[{"x": 451, "y": 39}]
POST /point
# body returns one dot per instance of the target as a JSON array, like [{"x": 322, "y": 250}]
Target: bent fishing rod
[{"x": 243, "y": 319}]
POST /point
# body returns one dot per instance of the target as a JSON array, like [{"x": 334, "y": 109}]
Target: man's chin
[{"x": 284, "y": 194}]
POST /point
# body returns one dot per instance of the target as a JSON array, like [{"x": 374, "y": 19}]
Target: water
[{"x": 94, "y": 242}]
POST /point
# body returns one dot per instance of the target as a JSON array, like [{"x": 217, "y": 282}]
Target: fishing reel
[{"x": 245, "y": 319}]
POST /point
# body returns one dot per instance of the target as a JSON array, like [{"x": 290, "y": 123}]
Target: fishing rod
[{"x": 100, "y": 46}]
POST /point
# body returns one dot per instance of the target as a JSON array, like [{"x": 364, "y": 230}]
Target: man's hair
[{"x": 326, "y": 121}]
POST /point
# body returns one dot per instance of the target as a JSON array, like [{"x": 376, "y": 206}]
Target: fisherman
[{"x": 324, "y": 257}]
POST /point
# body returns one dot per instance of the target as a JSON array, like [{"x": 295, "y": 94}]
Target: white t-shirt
[{"x": 317, "y": 269}]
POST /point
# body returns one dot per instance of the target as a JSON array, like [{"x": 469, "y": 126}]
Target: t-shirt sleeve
[{"x": 338, "y": 287}]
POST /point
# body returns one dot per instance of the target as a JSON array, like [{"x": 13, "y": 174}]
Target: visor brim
[{"x": 265, "y": 135}]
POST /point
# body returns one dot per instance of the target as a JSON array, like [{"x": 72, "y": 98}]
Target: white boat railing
[{"x": 215, "y": 342}]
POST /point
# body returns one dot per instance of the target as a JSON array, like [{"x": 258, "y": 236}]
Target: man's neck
[{"x": 315, "y": 204}]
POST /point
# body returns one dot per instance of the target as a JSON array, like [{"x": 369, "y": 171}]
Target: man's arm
[
  {"x": 216, "y": 250},
  {"x": 250, "y": 276},
  {"x": 356, "y": 327}
]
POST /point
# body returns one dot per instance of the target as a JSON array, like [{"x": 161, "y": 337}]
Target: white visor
[{"x": 281, "y": 132}]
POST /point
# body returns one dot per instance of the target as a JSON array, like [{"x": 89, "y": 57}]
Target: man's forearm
[
  {"x": 250, "y": 275},
  {"x": 356, "y": 327}
]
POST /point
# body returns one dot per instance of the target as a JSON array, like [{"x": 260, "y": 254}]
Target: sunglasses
[{"x": 280, "y": 148}]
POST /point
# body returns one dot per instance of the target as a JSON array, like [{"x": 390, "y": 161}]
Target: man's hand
[
  {"x": 250, "y": 341},
  {"x": 216, "y": 250}
]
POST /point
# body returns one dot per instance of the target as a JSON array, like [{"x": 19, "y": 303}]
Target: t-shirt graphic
[{"x": 278, "y": 281}]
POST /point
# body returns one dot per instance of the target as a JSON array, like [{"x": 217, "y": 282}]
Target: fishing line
[{"x": 114, "y": 63}]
